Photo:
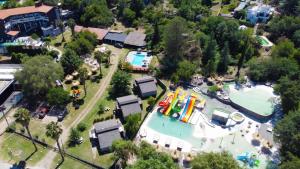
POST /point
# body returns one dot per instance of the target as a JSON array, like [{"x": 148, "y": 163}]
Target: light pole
[{"x": 2, "y": 108}]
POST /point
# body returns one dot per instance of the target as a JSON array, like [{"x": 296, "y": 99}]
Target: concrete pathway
[{"x": 47, "y": 160}]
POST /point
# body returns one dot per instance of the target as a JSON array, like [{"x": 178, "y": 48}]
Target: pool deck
[{"x": 130, "y": 58}]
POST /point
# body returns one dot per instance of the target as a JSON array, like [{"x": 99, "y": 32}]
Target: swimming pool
[
  {"x": 138, "y": 59},
  {"x": 259, "y": 99},
  {"x": 174, "y": 128}
]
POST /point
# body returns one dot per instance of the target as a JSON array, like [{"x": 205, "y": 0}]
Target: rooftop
[
  {"x": 115, "y": 36},
  {"x": 7, "y": 71},
  {"x": 107, "y": 138},
  {"x": 4, "y": 84},
  {"x": 13, "y": 33},
  {"x": 99, "y": 32},
  {"x": 107, "y": 125},
  {"x": 146, "y": 84},
  {"x": 136, "y": 39},
  {"x": 24, "y": 10},
  {"x": 127, "y": 99}
]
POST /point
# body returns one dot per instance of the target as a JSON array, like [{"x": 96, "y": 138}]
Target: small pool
[
  {"x": 138, "y": 59},
  {"x": 174, "y": 128},
  {"x": 263, "y": 41},
  {"x": 259, "y": 99}
]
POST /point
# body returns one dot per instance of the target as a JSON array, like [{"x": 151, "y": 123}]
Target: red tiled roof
[
  {"x": 24, "y": 10},
  {"x": 13, "y": 33},
  {"x": 99, "y": 32}
]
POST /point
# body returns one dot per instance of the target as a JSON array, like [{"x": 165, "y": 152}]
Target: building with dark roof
[
  {"x": 107, "y": 132},
  {"x": 135, "y": 39},
  {"x": 101, "y": 33},
  {"x": 24, "y": 20},
  {"x": 128, "y": 105},
  {"x": 146, "y": 86},
  {"x": 115, "y": 37}
]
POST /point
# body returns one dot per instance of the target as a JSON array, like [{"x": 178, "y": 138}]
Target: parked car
[
  {"x": 119, "y": 45},
  {"x": 43, "y": 110},
  {"x": 61, "y": 115}
]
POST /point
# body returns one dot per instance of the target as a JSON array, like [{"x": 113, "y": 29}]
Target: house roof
[
  {"x": 146, "y": 84},
  {"x": 136, "y": 39},
  {"x": 115, "y": 36},
  {"x": 99, "y": 32},
  {"x": 127, "y": 99},
  {"x": 13, "y": 33},
  {"x": 107, "y": 125},
  {"x": 107, "y": 138},
  {"x": 130, "y": 109},
  {"x": 24, "y": 10}
]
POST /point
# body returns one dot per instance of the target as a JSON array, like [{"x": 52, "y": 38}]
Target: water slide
[
  {"x": 173, "y": 103},
  {"x": 185, "y": 108},
  {"x": 189, "y": 110},
  {"x": 166, "y": 102}
]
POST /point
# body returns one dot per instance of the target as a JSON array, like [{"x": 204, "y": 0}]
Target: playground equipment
[
  {"x": 174, "y": 102},
  {"x": 166, "y": 102},
  {"x": 75, "y": 93},
  {"x": 249, "y": 159}
]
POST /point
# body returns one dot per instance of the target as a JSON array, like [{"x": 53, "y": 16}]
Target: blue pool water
[
  {"x": 172, "y": 127},
  {"x": 138, "y": 59}
]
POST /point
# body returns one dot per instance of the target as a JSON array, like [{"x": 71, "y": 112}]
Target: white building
[{"x": 260, "y": 14}]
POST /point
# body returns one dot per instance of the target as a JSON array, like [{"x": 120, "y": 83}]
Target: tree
[
  {"x": 124, "y": 149},
  {"x": 61, "y": 26},
  {"x": 225, "y": 59},
  {"x": 53, "y": 130},
  {"x": 151, "y": 101},
  {"x": 23, "y": 117},
  {"x": 284, "y": 48},
  {"x": 101, "y": 109},
  {"x": 174, "y": 41},
  {"x": 207, "y": 2},
  {"x": 120, "y": 84},
  {"x": 291, "y": 7},
  {"x": 292, "y": 163},
  {"x": 10, "y": 4},
  {"x": 296, "y": 38},
  {"x": 156, "y": 35},
  {"x": 289, "y": 91},
  {"x": 132, "y": 125},
  {"x": 284, "y": 26},
  {"x": 71, "y": 23},
  {"x": 128, "y": 16},
  {"x": 38, "y": 76},
  {"x": 210, "y": 51},
  {"x": 70, "y": 61},
  {"x": 83, "y": 43},
  {"x": 18, "y": 58},
  {"x": 58, "y": 97},
  {"x": 287, "y": 133},
  {"x": 83, "y": 75},
  {"x": 137, "y": 6},
  {"x": 74, "y": 136},
  {"x": 186, "y": 70},
  {"x": 98, "y": 56},
  {"x": 215, "y": 161}
]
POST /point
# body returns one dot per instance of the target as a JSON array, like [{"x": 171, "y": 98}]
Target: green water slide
[{"x": 175, "y": 108}]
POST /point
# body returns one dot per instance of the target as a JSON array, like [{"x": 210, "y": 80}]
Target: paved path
[
  {"x": 50, "y": 48},
  {"x": 47, "y": 160}
]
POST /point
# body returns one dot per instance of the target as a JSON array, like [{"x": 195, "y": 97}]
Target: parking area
[{"x": 49, "y": 113}]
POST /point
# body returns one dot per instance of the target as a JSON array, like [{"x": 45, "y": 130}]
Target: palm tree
[
  {"x": 83, "y": 75},
  {"x": 108, "y": 57},
  {"x": 61, "y": 26},
  {"x": 71, "y": 23},
  {"x": 23, "y": 117},
  {"x": 54, "y": 131},
  {"x": 98, "y": 57},
  {"x": 47, "y": 41}
]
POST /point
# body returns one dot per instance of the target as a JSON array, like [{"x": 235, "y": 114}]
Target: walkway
[
  {"x": 47, "y": 160},
  {"x": 51, "y": 48}
]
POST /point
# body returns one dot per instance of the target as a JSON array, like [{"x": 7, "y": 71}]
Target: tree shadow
[
  {"x": 60, "y": 163},
  {"x": 35, "y": 150},
  {"x": 20, "y": 165}
]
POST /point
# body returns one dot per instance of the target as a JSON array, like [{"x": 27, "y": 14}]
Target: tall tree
[
  {"x": 61, "y": 26},
  {"x": 71, "y": 23},
  {"x": 83, "y": 75},
  {"x": 53, "y": 130},
  {"x": 174, "y": 40},
  {"x": 215, "y": 161},
  {"x": 120, "y": 84},
  {"x": 58, "y": 97},
  {"x": 70, "y": 61},
  {"x": 210, "y": 51},
  {"x": 292, "y": 163},
  {"x": 132, "y": 125},
  {"x": 155, "y": 37},
  {"x": 225, "y": 58},
  {"x": 287, "y": 133},
  {"x": 186, "y": 70},
  {"x": 137, "y": 6},
  {"x": 291, "y": 7},
  {"x": 38, "y": 76},
  {"x": 23, "y": 117},
  {"x": 285, "y": 48},
  {"x": 98, "y": 57}
]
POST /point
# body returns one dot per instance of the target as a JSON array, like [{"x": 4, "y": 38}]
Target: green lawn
[
  {"x": 226, "y": 9},
  {"x": 56, "y": 41},
  {"x": 68, "y": 163},
  {"x": 15, "y": 148}
]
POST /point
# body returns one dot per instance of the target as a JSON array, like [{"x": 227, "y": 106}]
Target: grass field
[{"x": 15, "y": 148}]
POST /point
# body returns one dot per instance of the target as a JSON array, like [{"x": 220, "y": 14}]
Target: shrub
[
  {"x": 11, "y": 128},
  {"x": 101, "y": 109},
  {"x": 81, "y": 127}
]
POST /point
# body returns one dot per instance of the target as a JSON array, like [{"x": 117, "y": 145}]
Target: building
[
  {"x": 146, "y": 86},
  {"x": 115, "y": 38},
  {"x": 135, "y": 39},
  {"x": 259, "y": 14},
  {"x": 25, "y": 20},
  {"x": 9, "y": 89},
  {"x": 220, "y": 117},
  {"x": 107, "y": 132},
  {"x": 101, "y": 33},
  {"x": 128, "y": 105}
]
